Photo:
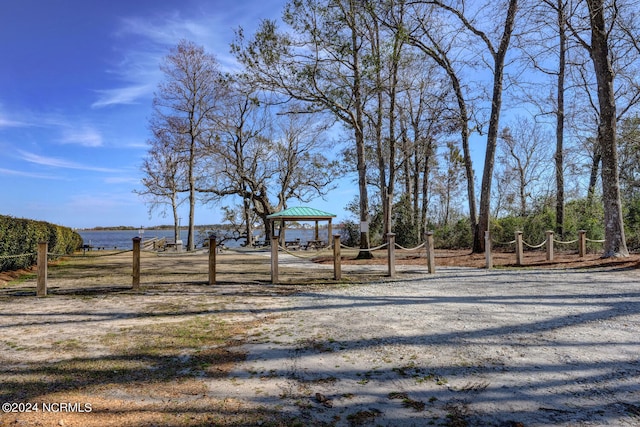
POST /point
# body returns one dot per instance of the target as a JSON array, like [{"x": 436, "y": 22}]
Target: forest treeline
[
  {"x": 19, "y": 240},
  {"x": 400, "y": 95}
]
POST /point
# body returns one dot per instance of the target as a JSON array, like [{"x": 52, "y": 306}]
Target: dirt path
[{"x": 463, "y": 347}]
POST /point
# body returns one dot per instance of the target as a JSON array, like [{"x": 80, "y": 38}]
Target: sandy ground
[
  {"x": 491, "y": 348},
  {"x": 462, "y": 347}
]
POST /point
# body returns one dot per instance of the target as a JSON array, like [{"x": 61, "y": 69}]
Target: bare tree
[
  {"x": 421, "y": 120},
  {"x": 524, "y": 159},
  {"x": 629, "y": 150},
  {"x": 426, "y": 32},
  {"x": 304, "y": 172},
  {"x": 554, "y": 15},
  {"x": 184, "y": 104},
  {"x": 388, "y": 59},
  {"x": 615, "y": 242},
  {"x": 600, "y": 23},
  {"x": 449, "y": 181},
  {"x": 237, "y": 153},
  {"x": 320, "y": 65},
  {"x": 265, "y": 159},
  {"x": 498, "y": 53},
  {"x": 164, "y": 175},
  {"x": 560, "y": 8}
]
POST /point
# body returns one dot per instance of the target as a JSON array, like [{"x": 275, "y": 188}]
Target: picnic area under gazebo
[{"x": 303, "y": 213}]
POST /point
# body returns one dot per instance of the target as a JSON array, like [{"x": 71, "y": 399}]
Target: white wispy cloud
[
  {"x": 167, "y": 29},
  {"x": 61, "y": 163},
  {"x": 24, "y": 174},
  {"x": 6, "y": 122},
  {"x": 149, "y": 39},
  {"x": 122, "y": 96},
  {"x": 9, "y": 119},
  {"x": 63, "y": 129},
  {"x": 86, "y": 136}
]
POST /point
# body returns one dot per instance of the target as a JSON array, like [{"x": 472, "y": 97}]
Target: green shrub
[
  {"x": 632, "y": 224},
  {"x": 350, "y": 234},
  {"x": 503, "y": 230},
  {"x": 579, "y": 215},
  {"x": 534, "y": 228},
  {"x": 20, "y": 236},
  {"x": 404, "y": 224},
  {"x": 453, "y": 236}
]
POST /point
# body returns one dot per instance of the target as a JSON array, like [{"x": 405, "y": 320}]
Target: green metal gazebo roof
[{"x": 301, "y": 213}]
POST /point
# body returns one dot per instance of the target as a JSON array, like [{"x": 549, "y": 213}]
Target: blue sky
[{"x": 76, "y": 82}]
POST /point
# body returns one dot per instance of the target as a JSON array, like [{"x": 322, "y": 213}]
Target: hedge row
[{"x": 21, "y": 236}]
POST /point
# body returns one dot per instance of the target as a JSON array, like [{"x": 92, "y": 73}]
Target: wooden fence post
[
  {"x": 431, "y": 262},
  {"x": 582, "y": 243},
  {"x": 41, "y": 289},
  {"x": 136, "y": 263},
  {"x": 212, "y": 259},
  {"x": 487, "y": 250},
  {"x": 274, "y": 260},
  {"x": 391, "y": 254},
  {"x": 337, "y": 261},
  {"x": 519, "y": 254},
  {"x": 549, "y": 245}
]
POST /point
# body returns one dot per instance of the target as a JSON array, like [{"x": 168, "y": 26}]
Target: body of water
[{"x": 122, "y": 239}]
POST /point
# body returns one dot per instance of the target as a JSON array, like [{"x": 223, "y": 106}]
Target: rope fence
[
  {"x": 18, "y": 256},
  {"x": 298, "y": 254},
  {"x": 569, "y": 242},
  {"x": 101, "y": 255},
  {"x": 377, "y": 248},
  {"x": 42, "y": 255},
  {"x": 420, "y": 246},
  {"x": 504, "y": 243},
  {"x": 548, "y": 242},
  {"x": 534, "y": 246}
]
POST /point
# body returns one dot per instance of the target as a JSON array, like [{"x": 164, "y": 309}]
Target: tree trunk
[
  {"x": 365, "y": 243},
  {"x": 593, "y": 175},
  {"x": 492, "y": 134},
  {"x": 246, "y": 212},
  {"x": 440, "y": 57},
  {"x": 176, "y": 218},
  {"x": 615, "y": 242},
  {"x": 425, "y": 186},
  {"x": 417, "y": 220},
  {"x": 559, "y": 156},
  {"x": 192, "y": 198},
  {"x": 364, "y": 197},
  {"x": 522, "y": 192},
  {"x": 478, "y": 238}
]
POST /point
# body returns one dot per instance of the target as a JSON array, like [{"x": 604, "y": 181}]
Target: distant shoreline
[
  {"x": 154, "y": 227},
  {"x": 184, "y": 227}
]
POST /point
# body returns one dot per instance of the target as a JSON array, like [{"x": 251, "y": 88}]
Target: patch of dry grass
[{"x": 153, "y": 371}]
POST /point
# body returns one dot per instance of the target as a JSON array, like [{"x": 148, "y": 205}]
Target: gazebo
[{"x": 301, "y": 213}]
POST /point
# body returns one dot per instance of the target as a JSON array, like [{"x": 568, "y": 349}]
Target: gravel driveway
[{"x": 462, "y": 347}]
